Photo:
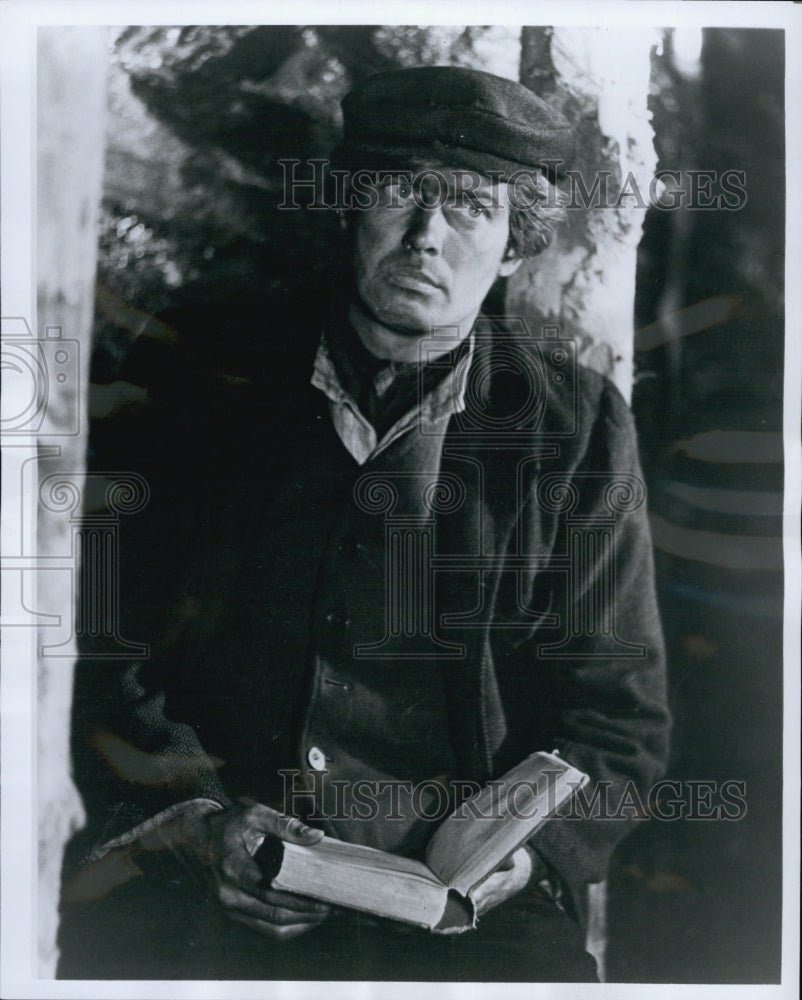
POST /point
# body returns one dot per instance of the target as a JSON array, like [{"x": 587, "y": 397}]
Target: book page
[
  {"x": 483, "y": 831},
  {"x": 332, "y": 851},
  {"x": 365, "y": 879}
]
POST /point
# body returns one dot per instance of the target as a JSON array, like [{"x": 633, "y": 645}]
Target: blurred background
[{"x": 190, "y": 227}]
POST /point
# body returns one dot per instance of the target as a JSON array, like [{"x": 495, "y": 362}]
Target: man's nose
[{"x": 425, "y": 230}]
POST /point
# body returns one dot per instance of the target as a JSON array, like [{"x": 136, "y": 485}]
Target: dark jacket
[{"x": 543, "y": 606}]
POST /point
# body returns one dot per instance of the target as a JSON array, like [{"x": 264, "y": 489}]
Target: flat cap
[{"x": 463, "y": 117}]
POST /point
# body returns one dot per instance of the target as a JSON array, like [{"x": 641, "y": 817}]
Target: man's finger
[
  {"x": 503, "y": 883},
  {"x": 284, "y": 900},
  {"x": 241, "y": 871},
  {"x": 263, "y": 820},
  {"x": 235, "y": 900},
  {"x": 283, "y": 933},
  {"x": 289, "y": 901},
  {"x": 296, "y": 832}
]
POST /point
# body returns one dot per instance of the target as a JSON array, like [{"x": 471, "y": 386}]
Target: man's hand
[
  {"x": 222, "y": 844},
  {"x": 504, "y": 882}
]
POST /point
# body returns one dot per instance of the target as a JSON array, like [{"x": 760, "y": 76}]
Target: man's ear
[{"x": 510, "y": 263}]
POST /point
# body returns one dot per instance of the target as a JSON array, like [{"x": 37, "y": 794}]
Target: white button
[{"x": 317, "y": 759}]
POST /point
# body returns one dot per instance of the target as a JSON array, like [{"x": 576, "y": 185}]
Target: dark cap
[{"x": 460, "y": 116}]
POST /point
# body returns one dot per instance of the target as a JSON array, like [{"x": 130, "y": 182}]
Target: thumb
[
  {"x": 263, "y": 820},
  {"x": 295, "y": 832}
]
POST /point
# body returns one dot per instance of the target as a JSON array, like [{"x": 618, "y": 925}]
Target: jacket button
[
  {"x": 316, "y": 758},
  {"x": 337, "y": 621}
]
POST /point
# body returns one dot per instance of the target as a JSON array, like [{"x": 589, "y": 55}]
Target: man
[{"x": 416, "y": 552}]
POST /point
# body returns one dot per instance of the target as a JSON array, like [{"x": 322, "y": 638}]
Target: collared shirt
[{"x": 440, "y": 394}]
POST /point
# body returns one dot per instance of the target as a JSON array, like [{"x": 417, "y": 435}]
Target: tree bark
[
  {"x": 585, "y": 282},
  {"x": 71, "y": 106}
]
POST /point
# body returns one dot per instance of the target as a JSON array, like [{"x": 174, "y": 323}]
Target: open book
[{"x": 469, "y": 845}]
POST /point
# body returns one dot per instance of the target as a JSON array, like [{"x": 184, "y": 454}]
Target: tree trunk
[
  {"x": 585, "y": 282},
  {"x": 71, "y": 106}
]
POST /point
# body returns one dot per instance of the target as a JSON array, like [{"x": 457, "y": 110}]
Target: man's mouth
[{"x": 415, "y": 280}]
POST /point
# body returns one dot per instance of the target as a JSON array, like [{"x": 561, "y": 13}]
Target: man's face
[{"x": 426, "y": 255}]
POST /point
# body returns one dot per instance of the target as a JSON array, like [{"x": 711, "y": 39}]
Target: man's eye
[
  {"x": 472, "y": 209},
  {"x": 396, "y": 191}
]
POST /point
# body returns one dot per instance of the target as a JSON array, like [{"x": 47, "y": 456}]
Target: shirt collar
[{"x": 445, "y": 399}]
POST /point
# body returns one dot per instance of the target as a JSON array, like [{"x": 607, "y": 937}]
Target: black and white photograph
[{"x": 401, "y": 499}]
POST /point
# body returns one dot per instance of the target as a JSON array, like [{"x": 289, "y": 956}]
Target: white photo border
[{"x": 19, "y": 22}]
